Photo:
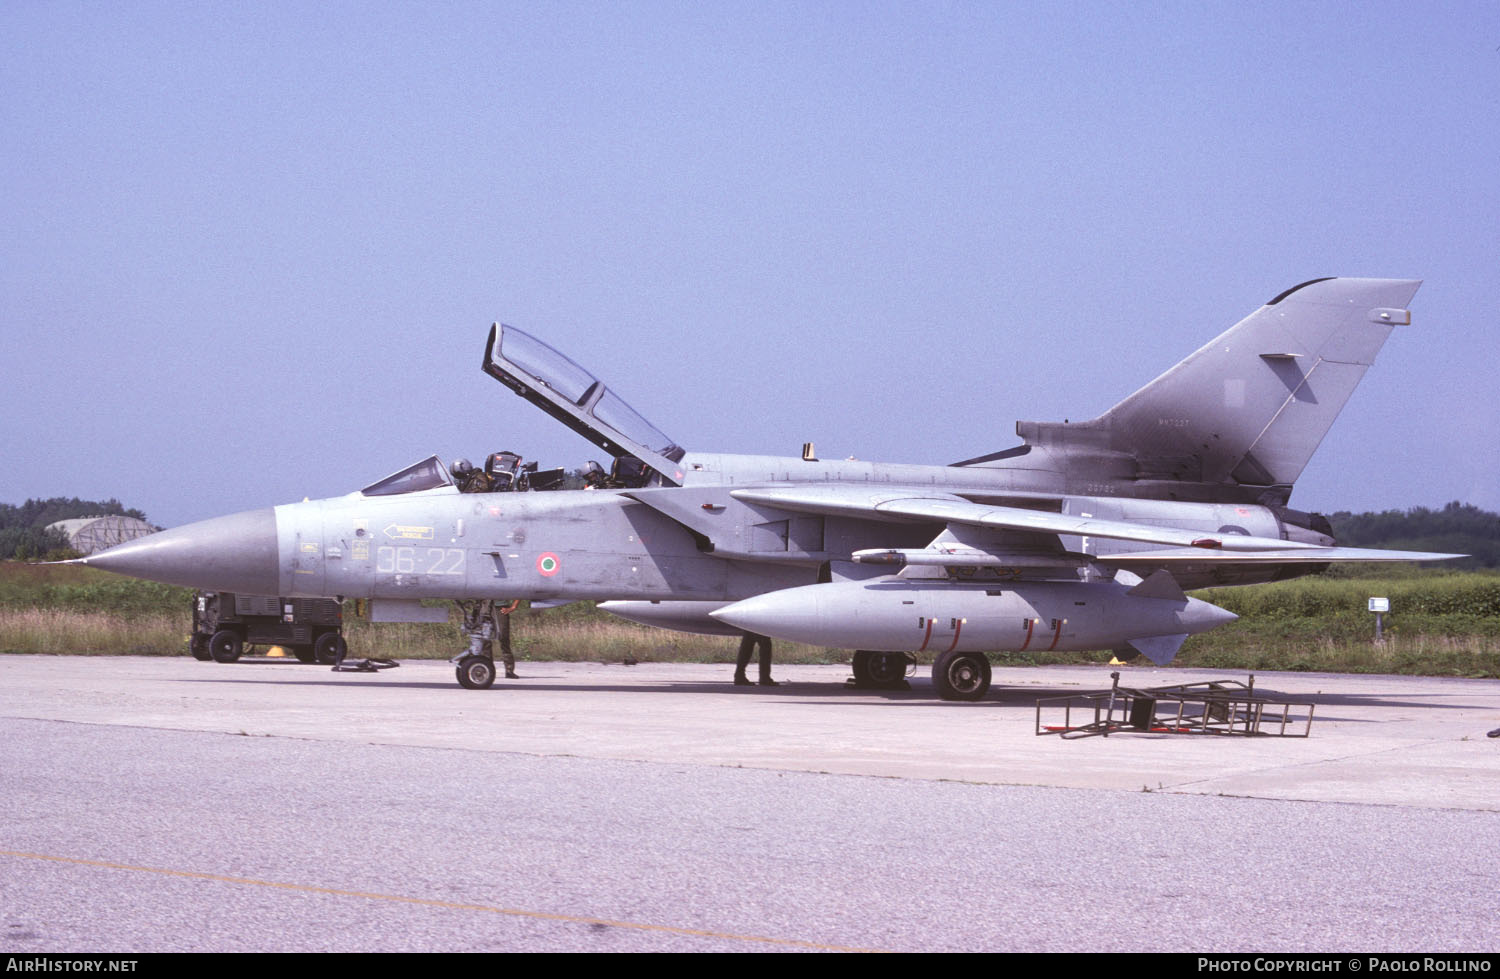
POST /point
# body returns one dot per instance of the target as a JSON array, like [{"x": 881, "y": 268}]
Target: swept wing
[{"x": 1194, "y": 546}]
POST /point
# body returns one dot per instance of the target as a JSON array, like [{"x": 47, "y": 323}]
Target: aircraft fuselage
[{"x": 696, "y": 542}]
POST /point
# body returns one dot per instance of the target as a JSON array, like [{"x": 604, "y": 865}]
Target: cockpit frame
[
  {"x": 567, "y": 392},
  {"x": 429, "y": 474}
]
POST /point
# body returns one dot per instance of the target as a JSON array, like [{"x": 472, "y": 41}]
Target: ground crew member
[
  {"x": 747, "y": 646},
  {"x": 482, "y": 621},
  {"x": 506, "y": 656}
]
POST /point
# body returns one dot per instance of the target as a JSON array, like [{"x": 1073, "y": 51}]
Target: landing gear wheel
[
  {"x": 882, "y": 671},
  {"x": 476, "y": 672},
  {"x": 330, "y": 648},
  {"x": 225, "y": 646},
  {"x": 198, "y": 646},
  {"x": 304, "y": 654},
  {"x": 887, "y": 671},
  {"x": 961, "y": 676}
]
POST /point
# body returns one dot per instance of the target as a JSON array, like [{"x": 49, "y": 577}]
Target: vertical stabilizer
[{"x": 1250, "y": 407}]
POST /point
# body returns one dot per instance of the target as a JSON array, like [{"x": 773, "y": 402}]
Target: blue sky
[{"x": 249, "y": 252}]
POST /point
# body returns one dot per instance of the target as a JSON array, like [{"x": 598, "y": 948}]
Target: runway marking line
[{"x": 433, "y": 903}]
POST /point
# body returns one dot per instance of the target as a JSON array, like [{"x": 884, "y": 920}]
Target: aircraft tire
[
  {"x": 961, "y": 676},
  {"x": 861, "y": 667},
  {"x": 198, "y": 646},
  {"x": 225, "y": 646},
  {"x": 330, "y": 648},
  {"x": 887, "y": 671},
  {"x": 476, "y": 672}
]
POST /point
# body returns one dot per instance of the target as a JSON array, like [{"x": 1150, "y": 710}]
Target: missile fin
[
  {"x": 1160, "y": 650},
  {"x": 1161, "y": 584}
]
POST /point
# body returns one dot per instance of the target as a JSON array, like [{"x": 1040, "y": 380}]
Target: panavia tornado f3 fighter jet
[{"x": 1082, "y": 537}]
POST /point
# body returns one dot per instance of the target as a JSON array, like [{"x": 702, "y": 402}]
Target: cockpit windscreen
[{"x": 430, "y": 473}]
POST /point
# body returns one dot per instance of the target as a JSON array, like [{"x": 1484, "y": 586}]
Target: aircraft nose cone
[{"x": 237, "y": 553}]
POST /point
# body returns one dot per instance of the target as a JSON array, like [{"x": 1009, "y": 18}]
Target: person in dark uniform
[
  {"x": 468, "y": 479},
  {"x": 508, "y": 658},
  {"x": 747, "y": 646},
  {"x": 483, "y": 624}
]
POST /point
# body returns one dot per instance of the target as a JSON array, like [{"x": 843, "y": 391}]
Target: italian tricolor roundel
[{"x": 547, "y": 564}]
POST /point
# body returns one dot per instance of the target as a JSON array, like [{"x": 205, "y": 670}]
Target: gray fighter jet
[{"x": 1081, "y": 537}]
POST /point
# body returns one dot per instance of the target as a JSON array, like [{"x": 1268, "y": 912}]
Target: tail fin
[{"x": 1249, "y": 408}]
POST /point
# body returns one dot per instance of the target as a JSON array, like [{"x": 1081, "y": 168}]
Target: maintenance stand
[{"x": 224, "y": 624}]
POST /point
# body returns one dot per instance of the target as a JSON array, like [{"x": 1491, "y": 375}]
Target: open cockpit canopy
[{"x": 579, "y": 400}]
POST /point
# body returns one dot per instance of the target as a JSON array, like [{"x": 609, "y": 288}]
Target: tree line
[{"x": 1457, "y": 528}]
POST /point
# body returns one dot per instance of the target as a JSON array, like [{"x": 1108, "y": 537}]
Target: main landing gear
[
  {"x": 955, "y": 675},
  {"x": 961, "y": 676}
]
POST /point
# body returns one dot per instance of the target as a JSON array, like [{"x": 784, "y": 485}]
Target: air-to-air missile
[{"x": 1081, "y": 537}]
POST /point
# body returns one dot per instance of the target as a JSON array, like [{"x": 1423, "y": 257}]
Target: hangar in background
[{"x": 89, "y": 534}]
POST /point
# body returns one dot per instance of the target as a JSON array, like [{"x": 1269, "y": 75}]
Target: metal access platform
[{"x": 1211, "y": 707}]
